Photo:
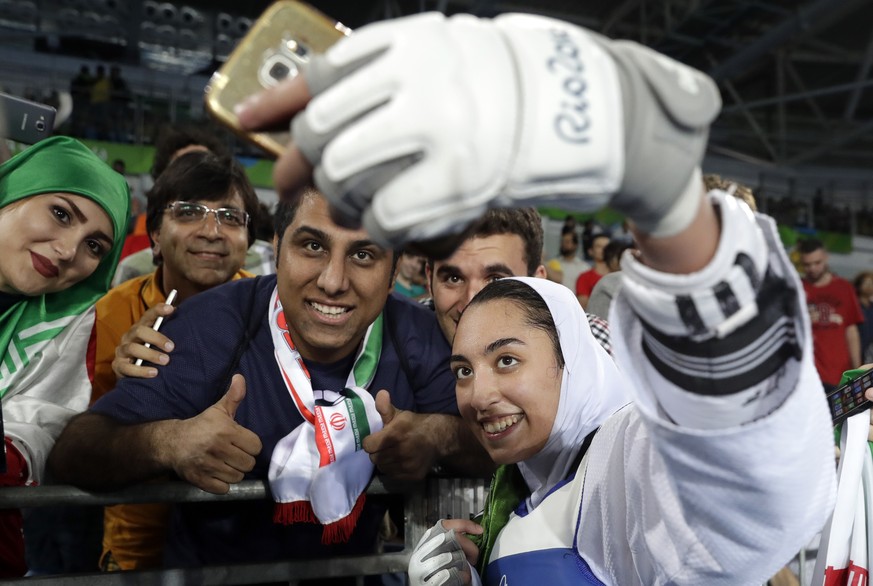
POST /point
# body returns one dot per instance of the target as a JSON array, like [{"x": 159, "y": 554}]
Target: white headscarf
[{"x": 592, "y": 389}]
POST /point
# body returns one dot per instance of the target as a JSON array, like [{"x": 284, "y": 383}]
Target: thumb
[
  {"x": 233, "y": 397},
  {"x": 384, "y": 406}
]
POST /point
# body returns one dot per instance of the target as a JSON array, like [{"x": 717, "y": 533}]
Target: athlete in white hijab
[{"x": 592, "y": 389}]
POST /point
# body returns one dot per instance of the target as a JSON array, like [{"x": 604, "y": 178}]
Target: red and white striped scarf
[{"x": 319, "y": 471}]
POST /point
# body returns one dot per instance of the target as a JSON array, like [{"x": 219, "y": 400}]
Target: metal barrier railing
[{"x": 424, "y": 503}]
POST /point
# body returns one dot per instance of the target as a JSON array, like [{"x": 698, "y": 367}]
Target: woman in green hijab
[{"x": 63, "y": 219}]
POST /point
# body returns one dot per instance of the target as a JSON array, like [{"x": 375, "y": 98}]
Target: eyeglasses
[{"x": 186, "y": 212}]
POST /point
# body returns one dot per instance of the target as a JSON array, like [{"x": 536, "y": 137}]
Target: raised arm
[{"x": 468, "y": 113}]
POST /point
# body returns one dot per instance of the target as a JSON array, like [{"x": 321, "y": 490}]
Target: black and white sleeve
[{"x": 730, "y": 334}]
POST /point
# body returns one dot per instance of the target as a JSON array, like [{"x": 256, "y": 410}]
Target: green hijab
[{"x": 65, "y": 165}]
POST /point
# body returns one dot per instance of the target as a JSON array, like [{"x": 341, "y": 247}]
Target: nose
[
  {"x": 484, "y": 391},
  {"x": 333, "y": 280},
  {"x": 470, "y": 290},
  {"x": 66, "y": 247},
  {"x": 210, "y": 227}
]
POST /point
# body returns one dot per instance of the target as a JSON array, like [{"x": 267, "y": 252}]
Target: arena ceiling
[{"x": 795, "y": 76}]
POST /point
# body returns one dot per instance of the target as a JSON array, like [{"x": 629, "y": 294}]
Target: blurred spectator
[
  {"x": 101, "y": 92},
  {"x": 712, "y": 181},
  {"x": 80, "y": 91},
  {"x": 174, "y": 141},
  {"x": 590, "y": 229},
  {"x": 409, "y": 279},
  {"x": 568, "y": 264},
  {"x": 835, "y": 314},
  {"x": 609, "y": 285},
  {"x": 622, "y": 233},
  {"x": 119, "y": 101},
  {"x": 864, "y": 290},
  {"x": 586, "y": 281}
]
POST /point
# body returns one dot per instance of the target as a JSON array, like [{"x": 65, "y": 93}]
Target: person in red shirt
[
  {"x": 586, "y": 281},
  {"x": 834, "y": 312}
]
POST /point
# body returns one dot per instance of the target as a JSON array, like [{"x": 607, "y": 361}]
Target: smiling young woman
[{"x": 63, "y": 218}]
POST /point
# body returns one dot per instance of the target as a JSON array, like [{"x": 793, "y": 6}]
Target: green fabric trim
[
  {"x": 508, "y": 489},
  {"x": 357, "y": 417},
  {"x": 365, "y": 365}
]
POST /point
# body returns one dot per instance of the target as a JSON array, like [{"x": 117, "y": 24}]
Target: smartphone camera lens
[
  {"x": 40, "y": 125},
  {"x": 279, "y": 71},
  {"x": 275, "y": 69}
]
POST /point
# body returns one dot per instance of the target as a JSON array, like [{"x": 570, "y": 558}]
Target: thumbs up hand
[
  {"x": 404, "y": 449},
  {"x": 385, "y": 408},
  {"x": 211, "y": 450}
]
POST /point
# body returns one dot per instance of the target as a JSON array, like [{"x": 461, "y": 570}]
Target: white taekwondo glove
[
  {"x": 438, "y": 559},
  {"x": 420, "y": 124}
]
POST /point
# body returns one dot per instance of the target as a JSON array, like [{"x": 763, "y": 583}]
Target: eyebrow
[
  {"x": 223, "y": 201},
  {"x": 76, "y": 211},
  {"x": 322, "y": 235},
  {"x": 449, "y": 269},
  {"x": 492, "y": 347},
  {"x": 498, "y": 344},
  {"x": 99, "y": 234}
]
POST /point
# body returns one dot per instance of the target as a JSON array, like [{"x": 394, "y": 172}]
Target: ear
[
  {"x": 540, "y": 273},
  {"x": 156, "y": 244},
  {"x": 276, "y": 247}
]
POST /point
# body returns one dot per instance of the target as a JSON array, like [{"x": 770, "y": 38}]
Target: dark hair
[
  {"x": 264, "y": 224},
  {"x": 594, "y": 237},
  {"x": 614, "y": 250},
  {"x": 808, "y": 245},
  {"x": 523, "y": 222},
  {"x": 534, "y": 309},
  {"x": 286, "y": 210},
  {"x": 570, "y": 230},
  {"x": 200, "y": 175},
  {"x": 859, "y": 280},
  {"x": 713, "y": 181},
  {"x": 172, "y": 138}
]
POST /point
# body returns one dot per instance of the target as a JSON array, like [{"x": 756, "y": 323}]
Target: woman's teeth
[{"x": 501, "y": 424}]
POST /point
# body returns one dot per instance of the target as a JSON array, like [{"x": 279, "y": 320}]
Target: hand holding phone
[
  {"x": 275, "y": 48},
  {"x": 170, "y": 299},
  {"x": 848, "y": 399}
]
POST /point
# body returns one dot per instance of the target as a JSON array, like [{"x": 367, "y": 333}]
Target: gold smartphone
[{"x": 280, "y": 41}]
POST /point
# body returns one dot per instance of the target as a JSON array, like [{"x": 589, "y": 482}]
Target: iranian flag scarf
[{"x": 319, "y": 471}]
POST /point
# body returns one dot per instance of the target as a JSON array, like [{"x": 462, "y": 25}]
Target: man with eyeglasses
[{"x": 199, "y": 222}]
